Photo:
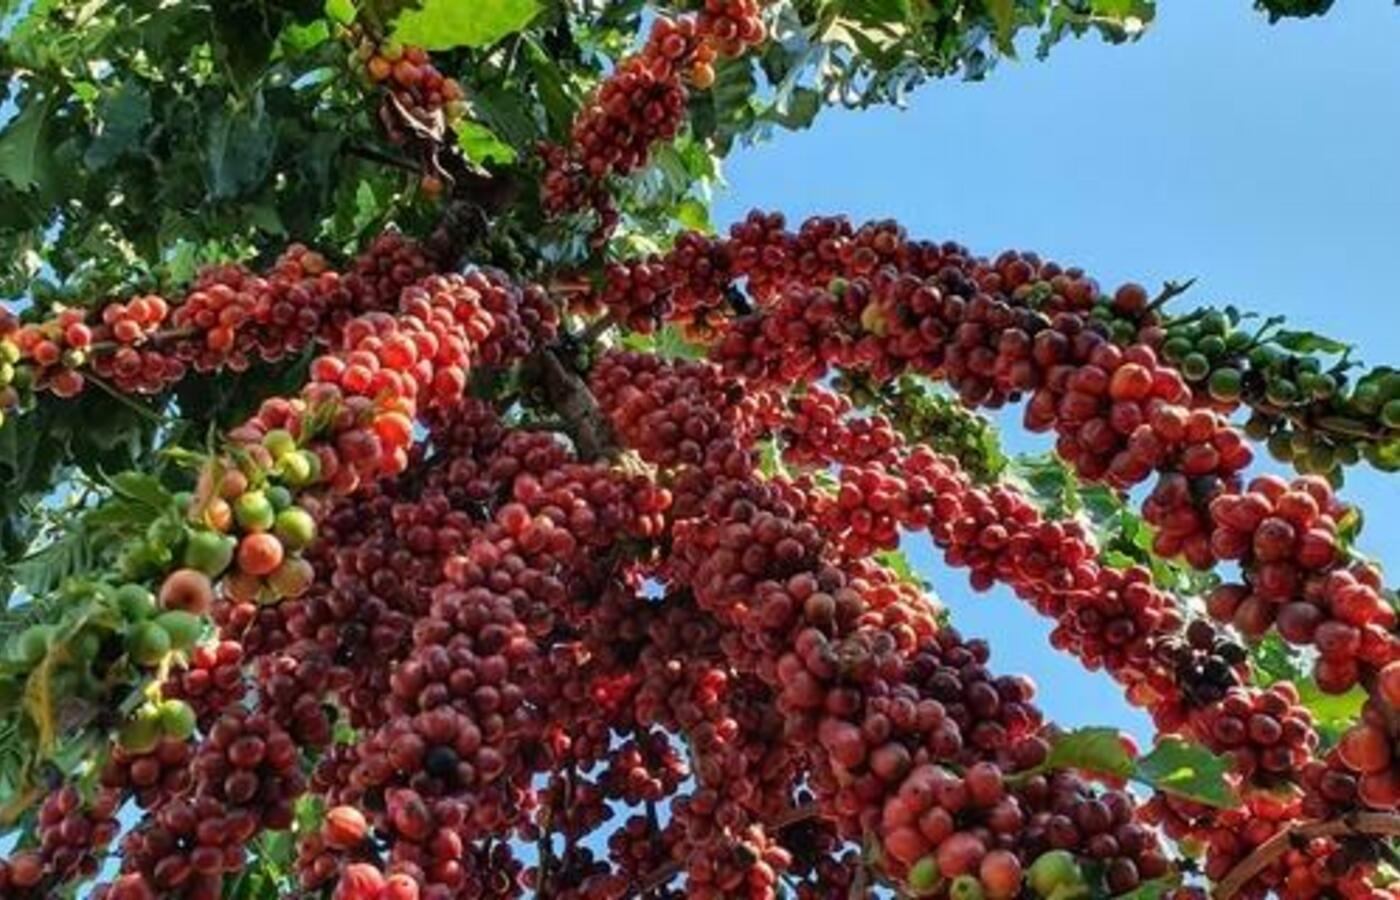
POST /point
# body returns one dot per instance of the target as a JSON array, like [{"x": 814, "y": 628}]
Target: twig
[
  {"x": 1375, "y": 824},
  {"x": 158, "y": 337},
  {"x": 140, "y": 409},
  {"x": 582, "y": 286},
  {"x": 569, "y": 776},
  {"x": 1170, "y": 290},
  {"x": 569, "y": 396},
  {"x": 379, "y": 156}
]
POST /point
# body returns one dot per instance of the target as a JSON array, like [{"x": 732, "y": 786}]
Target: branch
[
  {"x": 157, "y": 337},
  {"x": 1170, "y": 291},
  {"x": 1375, "y": 824},
  {"x": 385, "y": 159},
  {"x": 569, "y": 396}
]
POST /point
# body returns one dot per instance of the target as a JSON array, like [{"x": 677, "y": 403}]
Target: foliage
[{"x": 152, "y": 140}]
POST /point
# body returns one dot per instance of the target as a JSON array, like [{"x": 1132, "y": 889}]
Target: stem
[
  {"x": 570, "y": 287},
  {"x": 569, "y": 396},
  {"x": 1170, "y": 290},
  {"x": 379, "y": 156},
  {"x": 156, "y": 337},
  {"x": 140, "y": 409},
  {"x": 1375, "y": 824}
]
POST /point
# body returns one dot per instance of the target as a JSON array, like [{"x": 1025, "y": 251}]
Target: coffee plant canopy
[{"x": 408, "y": 492}]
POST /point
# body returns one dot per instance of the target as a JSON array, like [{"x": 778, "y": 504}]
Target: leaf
[
  {"x": 24, "y": 155},
  {"x": 123, "y": 116},
  {"x": 342, "y": 11},
  {"x": 301, "y": 38},
  {"x": 559, "y": 106},
  {"x": 445, "y": 24},
  {"x": 240, "y": 145},
  {"x": 506, "y": 115},
  {"x": 1187, "y": 770},
  {"x": 481, "y": 144},
  {"x": 694, "y": 215},
  {"x": 1273, "y": 661},
  {"x": 898, "y": 563},
  {"x": 1155, "y": 889},
  {"x": 879, "y": 12},
  {"x": 1004, "y": 18},
  {"x": 770, "y": 459},
  {"x": 1095, "y": 750},
  {"x": 143, "y": 488},
  {"x": 44, "y": 570},
  {"x": 1308, "y": 342},
  {"x": 798, "y": 110},
  {"x": 1332, "y": 713}
]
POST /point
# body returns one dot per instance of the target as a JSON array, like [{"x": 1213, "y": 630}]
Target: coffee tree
[{"x": 408, "y": 493}]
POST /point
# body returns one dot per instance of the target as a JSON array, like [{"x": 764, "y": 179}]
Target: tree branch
[
  {"x": 1373, "y": 824},
  {"x": 568, "y": 395},
  {"x": 385, "y": 159},
  {"x": 1170, "y": 291}
]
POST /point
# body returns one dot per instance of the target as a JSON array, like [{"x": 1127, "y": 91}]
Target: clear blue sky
[{"x": 1260, "y": 159}]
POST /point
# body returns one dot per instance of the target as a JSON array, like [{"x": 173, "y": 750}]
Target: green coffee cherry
[
  {"x": 1226, "y": 384},
  {"x": 1212, "y": 345},
  {"x": 1195, "y": 366}
]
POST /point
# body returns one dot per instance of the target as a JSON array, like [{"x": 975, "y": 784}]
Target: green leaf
[
  {"x": 1156, "y": 889},
  {"x": 46, "y": 569},
  {"x": 770, "y": 459},
  {"x": 559, "y": 104},
  {"x": 1004, "y": 18},
  {"x": 799, "y": 109},
  {"x": 880, "y": 12},
  {"x": 1187, "y": 770},
  {"x": 506, "y": 115},
  {"x": 301, "y": 38},
  {"x": 898, "y": 563},
  {"x": 1096, "y": 750},
  {"x": 240, "y": 145},
  {"x": 481, "y": 144},
  {"x": 445, "y": 24},
  {"x": 1332, "y": 713},
  {"x": 122, "y": 118},
  {"x": 1273, "y": 661},
  {"x": 694, "y": 215},
  {"x": 342, "y": 11},
  {"x": 24, "y": 153},
  {"x": 1308, "y": 342},
  {"x": 143, "y": 488}
]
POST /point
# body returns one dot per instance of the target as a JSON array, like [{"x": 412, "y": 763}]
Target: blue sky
[{"x": 1259, "y": 159}]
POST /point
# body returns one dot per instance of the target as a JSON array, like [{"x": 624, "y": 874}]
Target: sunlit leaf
[
  {"x": 1187, "y": 770},
  {"x": 481, "y": 145},
  {"x": 1095, "y": 750},
  {"x": 444, "y": 24},
  {"x": 342, "y": 11}
]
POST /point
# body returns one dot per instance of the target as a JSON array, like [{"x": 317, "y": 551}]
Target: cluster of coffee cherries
[
  {"x": 73, "y": 833},
  {"x": 1285, "y": 537},
  {"x": 356, "y": 418},
  {"x": 869, "y": 300},
  {"x": 1369, "y": 748},
  {"x": 642, "y": 103},
  {"x": 408, "y": 74},
  {"x": 878, "y": 746},
  {"x": 230, "y": 317}
]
